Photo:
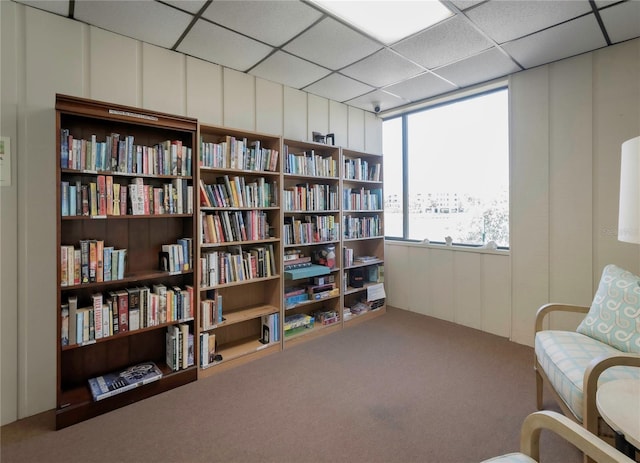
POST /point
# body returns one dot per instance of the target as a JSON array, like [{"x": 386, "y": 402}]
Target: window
[{"x": 447, "y": 172}]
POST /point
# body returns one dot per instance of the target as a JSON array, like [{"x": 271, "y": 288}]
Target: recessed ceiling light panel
[{"x": 387, "y": 21}]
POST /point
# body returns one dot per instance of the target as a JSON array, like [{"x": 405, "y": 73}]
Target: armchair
[{"x": 588, "y": 443}]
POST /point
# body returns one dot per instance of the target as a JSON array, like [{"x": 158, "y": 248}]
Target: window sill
[{"x": 444, "y": 247}]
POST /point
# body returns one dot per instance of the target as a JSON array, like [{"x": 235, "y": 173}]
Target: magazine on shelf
[{"x": 131, "y": 377}]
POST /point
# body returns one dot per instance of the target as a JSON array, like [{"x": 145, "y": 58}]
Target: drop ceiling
[{"x": 298, "y": 44}]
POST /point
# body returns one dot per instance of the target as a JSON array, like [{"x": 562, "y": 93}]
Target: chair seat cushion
[
  {"x": 511, "y": 458},
  {"x": 564, "y": 357}
]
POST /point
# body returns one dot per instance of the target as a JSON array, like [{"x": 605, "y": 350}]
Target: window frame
[{"x": 404, "y": 116}]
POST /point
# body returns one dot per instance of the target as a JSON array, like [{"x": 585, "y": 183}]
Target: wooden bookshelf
[
  {"x": 250, "y": 201},
  {"x": 363, "y": 231},
  {"x": 311, "y": 209},
  {"x": 240, "y": 174},
  {"x": 94, "y": 157}
]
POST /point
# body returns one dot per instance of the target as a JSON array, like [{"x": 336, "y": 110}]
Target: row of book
[
  {"x": 350, "y": 258},
  {"x": 361, "y": 199},
  {"x": 211, "y": 310},
  {"x": 91, "y": 262},
  {"x": 207, "y": 349},
  {"x": 230, "y": 226},
  {"x": 306, "y": 197},
  {"x": 177, "y": 257},
  {"x": 238, "y": 192},
  {"x": 320, "y": 288},
  {"x": 310, "y": 163},
  {"x": 314, "y": 229},
  {"x": 104, "y": 197},
  {"x": 180, "y": 349},
  {"x": 238, "y": 153},
  {"x": 123, "y": 310},
  {"x": 270, "y": 328},
  {"x": 360, "y": 169},
  {"x": 118, "y": 153},
  {"x": 237, "y": 264},
  {"x": 361, "y": 227}
]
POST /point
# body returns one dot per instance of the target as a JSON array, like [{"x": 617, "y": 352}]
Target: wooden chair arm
[
  {"x": 569, "y": 430},
  {"x": 552, "y": 307},
  {"x": 590, "y": 384}
]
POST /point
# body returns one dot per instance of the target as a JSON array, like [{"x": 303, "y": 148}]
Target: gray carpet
[{"x": 400, "y": 388}]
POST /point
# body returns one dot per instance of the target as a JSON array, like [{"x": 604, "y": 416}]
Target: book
[
  {"x": 64, "y": 326},
  {"x": 131, "y": 377}
]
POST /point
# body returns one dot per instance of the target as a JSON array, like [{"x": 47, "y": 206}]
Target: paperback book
[{"x": 111, "y": 384}]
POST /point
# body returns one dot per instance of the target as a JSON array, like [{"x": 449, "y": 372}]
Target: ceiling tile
[
  {"x": 289, "y": 70},
  {"x": 382, "y": 68},
  {"x": 482, "y": 67},
  {"x": 446, "y": 42},
  {"x": 420, "y": 88},
  {"x": 338, "y": 88},
  {"x": 271, "y": 21},
  {"x": 511, "y": 19},
  {"x": 377, "y": 98},
  {"x": 464, "y": 4},
  {"x": 622, "y": 21},
  {"x": 150, "y": 22},
  {"x": 221, "y": 46},
  {"x": 332, "y": 44},
  {"x": 557, "y": 43},
  {"x": 191, "y": 6},
  {"x": 60, "y": 7}
]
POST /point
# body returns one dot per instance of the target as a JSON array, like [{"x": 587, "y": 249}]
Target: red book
[
  {"x": 123, "y": 200},
  {"x": 123, "y": 311},
  {"x": 102, "y": 195}
]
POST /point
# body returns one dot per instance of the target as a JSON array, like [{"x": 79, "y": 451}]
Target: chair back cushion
[{"x": 614, "y": 317}]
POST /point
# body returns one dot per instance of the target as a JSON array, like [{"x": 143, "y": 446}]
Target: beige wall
[
  {"x": 568, "y": 120},
  {"x": 44, "y": 54}
]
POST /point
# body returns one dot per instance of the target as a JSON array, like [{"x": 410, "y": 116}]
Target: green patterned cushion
[{"x": 614, "y": 317}]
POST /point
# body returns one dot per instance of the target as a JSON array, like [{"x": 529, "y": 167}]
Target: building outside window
[{"x": 447, "y": 172}]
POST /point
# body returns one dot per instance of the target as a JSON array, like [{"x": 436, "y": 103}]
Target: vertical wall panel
[
  {"x": 339, "y": 122},
  {"x": 616, "y": 104},
  {"x": 55, "y": 49},
  {"x": 372, "y": 133},
  {"x": 396, "y": 282},
  {"x": 239, "y": 100},
  {"x": 418, "y": 299},
  {"x": 467, "y": 288},
  {"x": 295, "y": 114},
  {"x": 204, "y": 91},
  {"x": 163, "y": 80},
  {"x": 114, "y": 65},
  {"x": 496, "y": 294},
  {"x": 571, "y": 199},
  {"x": 529, "y": 96},
  {"x": 318, "y": 115},
  {"x": 10, "y": 42},
  {"x": 356, "y": 129},
  {"x": 440, "y": 268},
  {"x": 269, "y": 107}
]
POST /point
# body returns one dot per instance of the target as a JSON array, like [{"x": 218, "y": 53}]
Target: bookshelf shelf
[
  {"x": 90, "y": 340},
  {"x": 234, "y": 243},
  {"x": 244, "y": 314},
  {"x": 305, "y": 303},
  {"x": 310, "y": 333}
]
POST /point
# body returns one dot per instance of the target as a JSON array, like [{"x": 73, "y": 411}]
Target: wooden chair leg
[{"x": 538, "y": 390}]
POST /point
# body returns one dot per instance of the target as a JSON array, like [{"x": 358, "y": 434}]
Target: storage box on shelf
[
  {"x": 124, "y": 236},
  {"x": 239, "y": 294},
  {"x": 311, "y": 240},
  {"x": 363, "y": 235}
]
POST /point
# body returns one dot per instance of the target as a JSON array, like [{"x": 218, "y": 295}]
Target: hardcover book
[{"x": 111, "y": 384}]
